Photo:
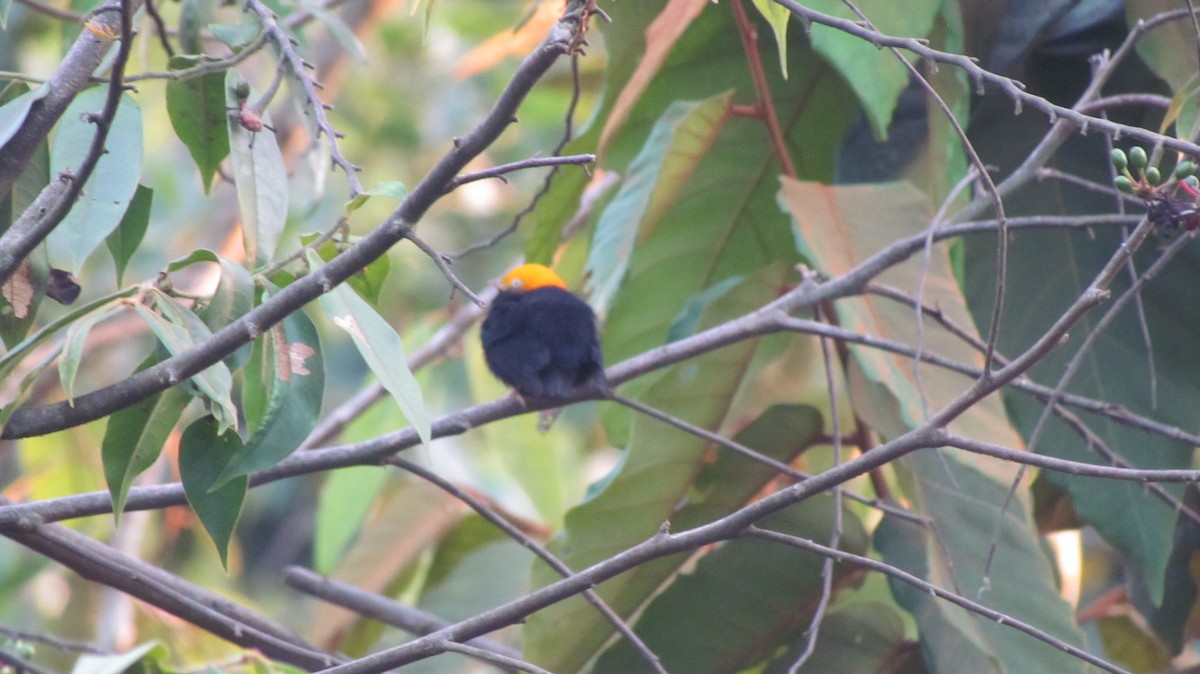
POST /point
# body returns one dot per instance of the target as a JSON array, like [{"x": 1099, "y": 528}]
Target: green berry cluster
[{"x": 1134, "y": 176}]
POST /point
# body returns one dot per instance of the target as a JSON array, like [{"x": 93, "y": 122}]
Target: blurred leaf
[
  {"x": 338, "y": 29},
  {"x": 198, "y": 113},
  {"x": 1169, "y": 49},
  {"x": 1131, "y": 646},
  {"x": 778, "y": 17},
  {"x": 261, "y": 179},
  {"x": 125, "y": 239},
  {"x": 281, "y": 395},
  {"x": 393, "y": 189},
  {"x": 23, "y": 292},
  {"x": 4, "y": 7},
  {"x": 875, "y": 74},
  {"x": 685, "y": 324},
  {"x": 72, "y": 353},
  {"x": 345, "y": 498},
  {"x": 679, "y": 141},
  {"x": 235, "y": 35},
  {"x": 178, "y": 329},
  {"x": 117, "y": 664},
  {"x": 112, "y": 184},
  {"x": 380, "y": 347},
  {"x": 17, "y": 99},
  {"x": 134, "y": 438},
  {"x": 204, "y": 452},
  {"x": 194, "y": 15},
  {"x": 755, "y": 594}
]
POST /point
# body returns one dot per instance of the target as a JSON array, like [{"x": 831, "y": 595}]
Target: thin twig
[
  {"x": 160, "y": 28},
  {"x": 764, "y": 104},
  {"x": 55, "y": 12},
  {"x": 443, "y": 264},
  {"x": 53, "y": 642},
  {"x": 502, "y": 661},
  {"x": 206, "y": 66},
  {"x": 533, "y": 162}
]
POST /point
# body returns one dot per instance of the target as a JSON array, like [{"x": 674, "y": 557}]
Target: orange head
[{"x": 530, "y": 277}]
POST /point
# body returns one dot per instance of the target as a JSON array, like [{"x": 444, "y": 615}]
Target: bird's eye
[{"x": 516, "y": 284}]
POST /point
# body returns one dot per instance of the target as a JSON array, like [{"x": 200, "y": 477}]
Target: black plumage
[{"x": 542, "y": 342}]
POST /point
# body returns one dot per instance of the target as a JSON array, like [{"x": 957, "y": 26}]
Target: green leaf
[
  {"x": 72, "y": 353},
  {"x": 962, "y": 495},
  {"x": 178, "y": 329},
  {"x": 4, "y": 7},
  {"x": 203, "y": 453},
  {"x": 755, "y": 594},
  {"x": 866, "y": 637},
  {"x": 678, "y": 143},
  {"x": 235, "y": 35},
  {"x": 368, "y": 281},
  {"x": 687, "y": 320},
  {"x": 112, "y": 184},
  {"x": 193, "y": 16},
  {"x": 261, "y": 179},
  {"x": 1169, "y": 48},
  {"x": 966, "y": 506},
  {"x": 125, "y": 239},
  {"x": 134, "y": 439},
  {"x": 380, "y": 347},
  {"x": 393, "y": 189},
  {"x": 281, "y": 396},
  {"x": 778, "y": 17},
  {"x": 197, "y": 109},
  {"x": 338, "y": 29},
  {"x": 152, "y": 651},
  {"x": 234, "y": 295},
  {"x": 17, "y": 99},
  {"x": 1130, "y": 645},
  {"x": 346, "y": 497},
  {"x": 876, "y": 75}
]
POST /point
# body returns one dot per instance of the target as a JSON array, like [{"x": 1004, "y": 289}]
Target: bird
[{"x": 540, "y": 338}]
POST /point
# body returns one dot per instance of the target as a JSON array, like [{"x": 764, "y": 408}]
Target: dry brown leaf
[{"x": 18, "y": 289}]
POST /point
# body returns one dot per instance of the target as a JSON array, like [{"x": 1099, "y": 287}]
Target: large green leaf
[
  {"x": 15, "y": 101},
  {"x": 261, "y": 179},
  {"x": 134, "y": 439},
  {"x": 204, "y": 451},
  {"x": 755, "y": 593},
  {"x": 112, "y": 184},
  {"x": 198, "y": 113},
  {"x": 861, "y": 638},
  {"x": 1157, "y": 379},
  {"x": 380, "y": 347},
  {"x": 962, "y": 495},
  {"x": 281, "y": 394}
]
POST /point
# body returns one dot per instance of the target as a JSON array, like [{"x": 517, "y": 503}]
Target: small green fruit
[
  {"x": 1124, "y": 184},
  {"x": 1137, "y": 157},
  {"x": 1153, "y": 176},
  {"x": 1184, "y": 169},
  {"x": 1119, "y": 160},
  {"x": 1192, "y": 182}
]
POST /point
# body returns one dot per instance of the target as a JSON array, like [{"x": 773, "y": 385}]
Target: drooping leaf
[
  {"x": 380, "y": 347},
  {"x": 112, "y": 184},
  {"x": 392, "y": 189},
  {"x": 197, "y": 109},
  {"x": 204, "y": 452},
  {"x": 72, "y": 353},
  {"x": 178, "y": 329},
  {"x": 346, "y": 497},
  {"x": 260, "y": 177},
  {"x": 134, "y": 439},
  {"x": 234, "y": 295},
  {"x": 125, "y": 239},
  {"x": 369, "y": 281},
  {"x": 281, "y": 394}
]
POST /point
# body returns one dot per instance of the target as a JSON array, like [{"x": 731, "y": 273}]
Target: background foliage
[{"x": 816, "y": 456}]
